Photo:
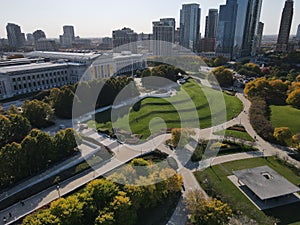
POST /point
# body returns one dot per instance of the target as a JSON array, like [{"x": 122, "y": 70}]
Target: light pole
[{"x": 58, "y": 191}]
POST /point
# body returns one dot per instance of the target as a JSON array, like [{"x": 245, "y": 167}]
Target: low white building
[
  {"x": 64, "y": 68},
  {"x": 22, "y": 79}
]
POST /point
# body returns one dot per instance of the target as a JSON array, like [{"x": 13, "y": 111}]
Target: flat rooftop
[
  {"x": 29, "y": 67},
  {"x": 63, "y": 55},
  {"x": 265, "y": 182}
]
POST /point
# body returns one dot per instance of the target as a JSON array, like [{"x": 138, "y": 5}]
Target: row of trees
[
  {"x": 259, "y": 118},
  {"x": 248, "y": 69},
  {"x": 36, "y": 152},
  {"x": 104, "y": 202},
  {"x": 264, "y": 92},
  {"x": 275, "y": 92},
  {"x": 170, "y": 74},
  {"x": 62, "y": 98}
]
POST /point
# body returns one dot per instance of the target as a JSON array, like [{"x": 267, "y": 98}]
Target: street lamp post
[{"x": 58, "y": 191}]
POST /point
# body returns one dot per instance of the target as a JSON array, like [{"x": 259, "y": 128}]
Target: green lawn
[
  {"x": 217, "y": 183},
  {"x": 157, "y": 111},
  {"x": 286, "y": 116},
  {"x": 236, "y": 134}
]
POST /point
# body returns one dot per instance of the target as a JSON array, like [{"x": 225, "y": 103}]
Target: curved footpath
[{"x": 125, "y": 153}]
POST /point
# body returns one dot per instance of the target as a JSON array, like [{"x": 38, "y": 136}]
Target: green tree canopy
[
  {"x": 38, "y": 113},
  {"x": 223, "y": 76}
]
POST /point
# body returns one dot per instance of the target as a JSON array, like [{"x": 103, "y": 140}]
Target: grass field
[
  {"x": 174, "y": 111},
  {"x": 217, "y": 183},
  {"x": 286, "y": 116},
  {"x": 236, "y": 134}
]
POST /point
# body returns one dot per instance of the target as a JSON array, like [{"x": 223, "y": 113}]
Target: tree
[
  {"x": 123, "y": 212},
  {"x": 283, "y": 135},
  {"x": 43, "y": 217},
  {"x": 294, "y": 98},
  {"x": 11, "y": 163},
  {"x": 207, "y": 211},
  {"x": 220, "y": 61},
  {"x": 103, "y": 192},
  {"x": 2, "y": 111},
  {"x": 141, "y": 167},
  {"x": 4, "y": 130},
  {"x": 181, "y": 136},
  {"x": 277, "y": 94},
  {"x": 63, "y": 102},
  {"x": 173, "y": 181},
  {"x": 223, "y": 76},
  {"x": 38, "y": 113},
  {"x": 257, "y": 88},
  {"x": 146, "y": 72},
  {"x": 19, "y": 127},
  {"x": 105, "y": 218},
  {"x": 69, "y": 210}
]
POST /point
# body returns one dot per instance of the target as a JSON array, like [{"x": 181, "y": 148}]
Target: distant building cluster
[{"x": 234, "y": 30}]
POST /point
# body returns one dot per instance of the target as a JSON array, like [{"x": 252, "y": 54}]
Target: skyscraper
[
  {"x": 248, "y": 16},
  {"x": 125, "y": 40},
  {"x": 211, "y": 24},
  {"x": 226, "y": 27},
  {"x": 190, "y": 15},
  {"x": 285, "y": 26},
  {"x": 163, "y": 37},
  {"x": 298, "y": 33},
  {"x": 15, "y": 37},
  {"x": 38, "y": 34},
  {"x": 171, "y": 22},
  {"x": 260, "y": 31},
  {"x": 68, "y": 37}
]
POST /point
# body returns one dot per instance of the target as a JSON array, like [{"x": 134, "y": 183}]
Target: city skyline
[{"x": 51, "y": 16}]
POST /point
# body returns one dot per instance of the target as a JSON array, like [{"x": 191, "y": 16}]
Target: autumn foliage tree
[
  {"x": 181, "y": 136},
  {"x": 207, "y": 211},
  {"x": 223, "y": 76},
  {"x": 103, "y": 202},
  {"x": 283, "y": 135},
  {"x": 294, "y": 98}
]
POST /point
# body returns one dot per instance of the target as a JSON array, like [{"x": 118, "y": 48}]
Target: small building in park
[{"x": 265, "y": 187}]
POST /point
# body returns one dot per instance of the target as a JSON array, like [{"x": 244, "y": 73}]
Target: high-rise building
[
  {"x": 163, "y": 37},
  {"x": 285, "y": 26},
  {"x": 211, "y": 23},
  {"x": 177, "y": 35},
  {"x": 260, "y": 31},
  {"x": 226, "y": 27},
  {"x": 30, "y": 39},
  {"x": 248, "y": 16},
  {"x": 44, "y": 44},
  {"x": 15, "y": 37},
  {"x": 298, "y": 33},
  {"x": 190, "y": 15},
  {"x": 207, "y": 45},
  {"x": 38, "y": 34},
  {"x": 125, "y": 40},
  {"x": 171, "y": 22},
  {"x": 68, "y": 37}
]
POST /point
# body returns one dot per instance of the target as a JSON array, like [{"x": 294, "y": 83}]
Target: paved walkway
[
  {"x": 87, "y": 151},
  {"x": 126, "y": 153}
]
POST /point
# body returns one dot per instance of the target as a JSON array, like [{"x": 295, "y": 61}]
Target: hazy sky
[{"x": 96, "y": 18}]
